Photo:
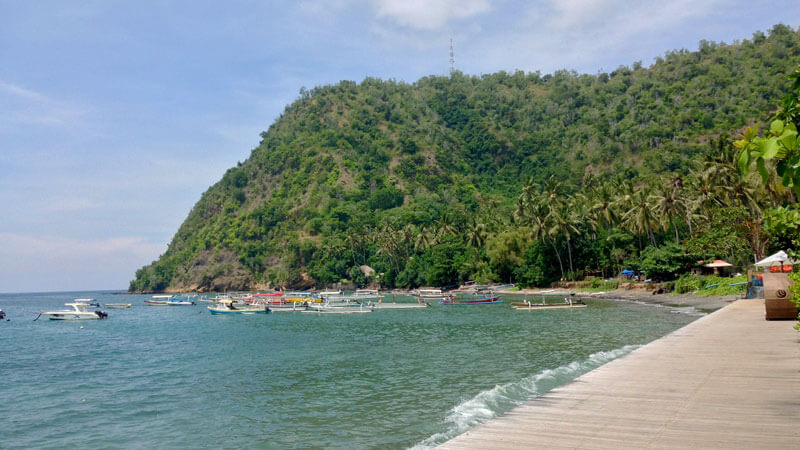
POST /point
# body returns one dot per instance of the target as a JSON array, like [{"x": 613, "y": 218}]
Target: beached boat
[
  {"x": 228, "y": 307},
  {"x": 79, "y": 311},
  {"x": 169, "y": 300},
  {"x": 567, "y": 303},
  {"x": 118, "y": 305},
  {"x": 490, "y": 300}
]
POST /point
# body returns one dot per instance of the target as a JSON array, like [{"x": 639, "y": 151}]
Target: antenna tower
[{"x": 452, "y": 58}]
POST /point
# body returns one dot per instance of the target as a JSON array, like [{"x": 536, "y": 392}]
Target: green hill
[{"x": 421, "y": 181}]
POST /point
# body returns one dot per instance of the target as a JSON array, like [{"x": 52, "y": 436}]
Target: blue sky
[{"x": 116, "y": 116}]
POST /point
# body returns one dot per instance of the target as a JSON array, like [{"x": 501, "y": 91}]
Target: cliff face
[{"x": 345, "y": 163}]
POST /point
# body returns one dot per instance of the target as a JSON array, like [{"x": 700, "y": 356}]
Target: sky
[{"x": 115, "y": 116}]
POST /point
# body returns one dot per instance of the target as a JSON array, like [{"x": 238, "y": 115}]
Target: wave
[{"x": 503, "y": 397}]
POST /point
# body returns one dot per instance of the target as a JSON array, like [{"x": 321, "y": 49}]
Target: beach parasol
[
  {"x": 718, "y": 263},
  {"x": 778, "y": 259}
]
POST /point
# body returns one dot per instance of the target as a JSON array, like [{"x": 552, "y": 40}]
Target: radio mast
[{"x": 452, "y": 58}]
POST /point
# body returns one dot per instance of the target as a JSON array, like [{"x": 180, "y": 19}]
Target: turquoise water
[{"x": 165, "y": 377}]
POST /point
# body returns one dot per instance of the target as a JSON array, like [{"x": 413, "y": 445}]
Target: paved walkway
[{"x": 727, "y": 380}]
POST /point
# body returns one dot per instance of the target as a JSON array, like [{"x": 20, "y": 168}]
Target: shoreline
[{"x": 702, "y": 303}]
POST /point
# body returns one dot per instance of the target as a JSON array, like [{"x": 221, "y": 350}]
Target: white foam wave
[{"x": 503, "y": 397}]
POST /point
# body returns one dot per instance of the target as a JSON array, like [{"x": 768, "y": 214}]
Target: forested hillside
[{"x": 518, "y": 177}]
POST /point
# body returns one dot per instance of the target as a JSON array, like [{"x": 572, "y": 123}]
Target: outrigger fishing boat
[
  {"x": 276, "y": 301},
  {"x": 79, "y": 311},
  {"x": 118, "y": 305},
  {"x": 169, "y": 300},
  {"x": 326, "y": 308},
  {"x": 567, "y": 303},
  {"x": 489, "y": 300},
  {"x": 431, "y": 294},
  {"x": 227, "y": 307},
  {"x": 88, "y": 302}
]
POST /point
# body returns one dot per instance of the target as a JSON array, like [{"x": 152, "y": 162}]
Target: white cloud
[
  {"x": 586, "y": 34},
  {"x": 429, "y": 15},
  {"x": 20, "y": 106}
]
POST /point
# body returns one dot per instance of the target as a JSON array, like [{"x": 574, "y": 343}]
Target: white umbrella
[{"x": 778, "y": 259}]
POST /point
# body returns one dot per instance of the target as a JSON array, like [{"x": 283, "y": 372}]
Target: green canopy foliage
[{"x": 423, "y": 181}]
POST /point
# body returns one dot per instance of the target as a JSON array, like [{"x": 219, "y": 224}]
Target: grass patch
[{"x": 709, "y": 285}]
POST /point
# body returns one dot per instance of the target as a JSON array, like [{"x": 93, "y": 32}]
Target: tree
[
  {"x": 779, "y": 145},
  {"x": 639, "y": 218},
  {"x": 668, "y": 207}
]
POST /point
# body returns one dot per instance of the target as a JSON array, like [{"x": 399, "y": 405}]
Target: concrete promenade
[{"x": 728, "y": 380}]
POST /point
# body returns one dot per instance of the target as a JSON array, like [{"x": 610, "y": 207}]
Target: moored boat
[
  {"x": 567, "y": 303},
  {"x": 430, "y": 294},
  {"x": 118, "y": 305},
  {"x": 328, "y": 309},
  {"x": 169, "y": 300},
  {"x": 228, "y": 307},
  {"x": 79, "y": 311},
  {"x": 88, "y": 302},
  {"x": 490, "y": 300}
]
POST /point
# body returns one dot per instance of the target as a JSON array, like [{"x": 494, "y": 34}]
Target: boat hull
[
  {"x": 71, "y": 316},
  {"x": 482, "y": 301},
  {"x": 163, "y": 303},
  {"x": 337, "y": 311},
  {"x": 223, "y": 311},
  {"x": 544, "y": 306}
]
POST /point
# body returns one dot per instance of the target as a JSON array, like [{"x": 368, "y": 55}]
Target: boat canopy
[{"x": 778, "y": 259}]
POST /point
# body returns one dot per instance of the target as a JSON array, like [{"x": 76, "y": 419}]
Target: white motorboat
[
  {"x": 79, "y": 311},
  {"x": 88, "y": 302}
]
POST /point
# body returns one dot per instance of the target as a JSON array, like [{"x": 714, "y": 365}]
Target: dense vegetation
[{"x": 516, "y": 177}]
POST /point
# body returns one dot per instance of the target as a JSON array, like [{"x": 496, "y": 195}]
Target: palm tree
[
  {"x": 639, "y": 219},
  {"x": 476, "y": 234},
  {"x": 603, "y": 207},
  {"x": 423, "y": 239},
  {"x": 668, "y": 205},
  {"x": 531, "y": 213},
  {"x": 563, "y": 221}
]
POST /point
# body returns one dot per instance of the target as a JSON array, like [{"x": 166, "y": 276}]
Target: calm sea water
[{"x": 177, "y": 377}]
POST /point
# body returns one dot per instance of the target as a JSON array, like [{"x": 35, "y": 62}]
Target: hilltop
[{"x": 422, "y": 181}]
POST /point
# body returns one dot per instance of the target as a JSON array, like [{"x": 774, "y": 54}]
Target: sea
[{"x": 179, "y": 377}]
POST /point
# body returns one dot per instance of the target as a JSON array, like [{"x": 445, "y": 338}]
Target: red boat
[{"x": 265, "y": 299}]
